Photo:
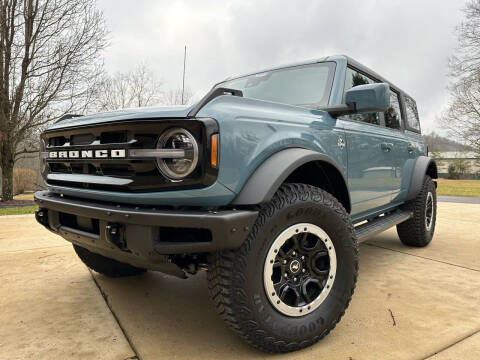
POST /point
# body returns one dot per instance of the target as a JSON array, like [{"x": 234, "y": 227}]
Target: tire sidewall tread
[
  {"x": 236, "y": 276},
  {"x": 413, "y": 232}
]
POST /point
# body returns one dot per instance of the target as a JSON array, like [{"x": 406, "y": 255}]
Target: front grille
[{"x": 123, "y": 174}]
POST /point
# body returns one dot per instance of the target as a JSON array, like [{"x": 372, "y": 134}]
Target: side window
[
  {"x": 412, "y": 114},
  {"x": 393, "y": 114},
  {"x": 354, "y": 78}
]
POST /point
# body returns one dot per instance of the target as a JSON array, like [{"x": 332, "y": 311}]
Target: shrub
[
  {"x": 452, "y": 172},
  {"x": 23, "y": 180}
]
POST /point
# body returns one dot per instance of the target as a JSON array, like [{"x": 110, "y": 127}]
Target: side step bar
[{"x": 380, "y": 224}]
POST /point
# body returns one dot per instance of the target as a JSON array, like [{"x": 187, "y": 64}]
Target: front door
[
  {"x": 370, "y": 150},
  {"x": 370, "y": 165}
]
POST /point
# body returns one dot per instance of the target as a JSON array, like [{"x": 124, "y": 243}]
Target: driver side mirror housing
[{"x": 363, "y": 99}]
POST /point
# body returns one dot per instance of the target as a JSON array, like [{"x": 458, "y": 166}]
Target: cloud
[{"x": 408, "y": 42}]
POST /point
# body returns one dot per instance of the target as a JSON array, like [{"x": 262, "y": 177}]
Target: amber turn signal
[{"x": 214, "y": 151}]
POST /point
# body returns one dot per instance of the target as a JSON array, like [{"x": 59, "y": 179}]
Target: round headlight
[{"x": 178, "y": 139}]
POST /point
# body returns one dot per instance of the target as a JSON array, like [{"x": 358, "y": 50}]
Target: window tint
[
  {"x": 412, "y": 114},
  {"x": 393, "y": 114},
  {"x": 354, "y": 78},
  {"x": 306, "y": 85}
]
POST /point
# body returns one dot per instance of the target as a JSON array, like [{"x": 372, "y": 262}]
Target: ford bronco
[{"x": 268, "y": 183}]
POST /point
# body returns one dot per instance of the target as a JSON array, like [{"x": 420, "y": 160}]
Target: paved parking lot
[{"x": 409, "y": 303}]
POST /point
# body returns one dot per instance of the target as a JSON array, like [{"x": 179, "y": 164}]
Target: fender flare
[
  {"x": 420, "y": 169},
  {"x": 269, "y": 176}
]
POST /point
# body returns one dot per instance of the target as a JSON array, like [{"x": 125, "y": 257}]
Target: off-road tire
[
  {"x": 235, "y": 277},
  {"x": 106, "y": 266},
  {"x": 414, "y": 232}
]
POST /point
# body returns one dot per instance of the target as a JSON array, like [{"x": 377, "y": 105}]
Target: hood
[{"x": 126, "y": 114}]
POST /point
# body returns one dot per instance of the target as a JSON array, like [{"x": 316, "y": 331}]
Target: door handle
[
  {"x": 386, "y": 147},
  {"x": 410, "y": 148}
]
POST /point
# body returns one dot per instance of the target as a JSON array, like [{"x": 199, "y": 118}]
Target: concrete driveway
[{"x": 409, "y": 303}]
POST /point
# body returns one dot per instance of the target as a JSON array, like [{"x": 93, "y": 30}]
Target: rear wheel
[
  {"x": 418, "y": 231},
  {"x": 290, "y": 282},
  {"x": 106, "y": 266}
]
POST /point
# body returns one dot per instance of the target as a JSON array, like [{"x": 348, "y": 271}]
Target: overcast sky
[{"x": 406, "y": 41}]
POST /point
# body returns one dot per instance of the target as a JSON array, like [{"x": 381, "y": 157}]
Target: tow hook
[
  {"x": 42, "y": 217},
  {"x": 113, "y": 235}
]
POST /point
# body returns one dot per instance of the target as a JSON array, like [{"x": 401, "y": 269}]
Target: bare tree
[
  {"x": 132, "y": 89},
  {"x": 462, "y": 117},
  {"x": 435, "y": 142},
  {"x": 465, "y": 63},
  {"x": 49, "y": 60},
  {"x": 174, "y": 97}
]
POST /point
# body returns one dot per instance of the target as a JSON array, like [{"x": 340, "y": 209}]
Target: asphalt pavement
[{"x": 459, "y": 199}]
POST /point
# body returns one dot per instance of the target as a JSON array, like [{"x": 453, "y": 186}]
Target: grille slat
[
  {"x": 123, "y": 170},
  {"x": 114, "y": 137},
  {"x": 60, "y": 168},
  {"x": 82, "y": 139},
  {"x": 96, "y": 144}
]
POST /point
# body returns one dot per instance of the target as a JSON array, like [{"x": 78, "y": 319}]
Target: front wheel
[
  {"x": 418, "y": 230},
  {"x": 290, "y": 282}
]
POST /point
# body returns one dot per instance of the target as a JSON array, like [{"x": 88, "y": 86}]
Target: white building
[{"x": 445, "y": 158}]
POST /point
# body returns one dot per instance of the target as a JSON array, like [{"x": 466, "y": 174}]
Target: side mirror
[
  {"x": 363, "y": 99},
  {"x": 369, "y": 97}
]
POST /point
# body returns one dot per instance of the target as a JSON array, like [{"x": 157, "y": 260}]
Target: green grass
[
  {"x": 18, "y": 210},
  {"x": 458, "y": 187}
]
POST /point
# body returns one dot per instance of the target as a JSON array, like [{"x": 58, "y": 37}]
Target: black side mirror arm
[{"x": 340, "y": 110}]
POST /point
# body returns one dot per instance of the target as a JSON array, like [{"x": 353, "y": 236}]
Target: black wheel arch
[
  {"x": 294, "y": 165},
  {"x": 424, "y": 165}
]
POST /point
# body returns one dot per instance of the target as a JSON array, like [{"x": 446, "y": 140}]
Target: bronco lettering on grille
[{"x": 88, "y": 154}]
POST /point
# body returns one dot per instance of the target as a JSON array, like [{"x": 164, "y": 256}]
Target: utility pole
[{"x": 184, "y": 59}]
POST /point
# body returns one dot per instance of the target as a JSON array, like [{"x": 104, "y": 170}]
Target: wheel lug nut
[
  {"x": 303, "y": 257},
  {"x": 294, "y": 279},
  {"x": 284, "y": 261},
  {"x": 286, "y": 275},
  {"x": 303, "y": 270},
  {"x": 294, "y": 253}
]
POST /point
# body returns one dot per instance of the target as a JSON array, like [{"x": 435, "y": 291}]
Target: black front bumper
[{"x": 142, "y": 237}]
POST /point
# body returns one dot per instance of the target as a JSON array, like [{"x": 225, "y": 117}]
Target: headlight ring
[{"x": 178, "y": 168}]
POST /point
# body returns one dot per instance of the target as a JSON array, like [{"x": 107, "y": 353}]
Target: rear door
[{"x": 408, "y": 146}]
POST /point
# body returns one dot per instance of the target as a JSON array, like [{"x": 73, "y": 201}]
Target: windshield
[{"x": 305, "y": 85}]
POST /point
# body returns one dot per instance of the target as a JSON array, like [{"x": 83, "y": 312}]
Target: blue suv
[{"x": 268, "y": 183}]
